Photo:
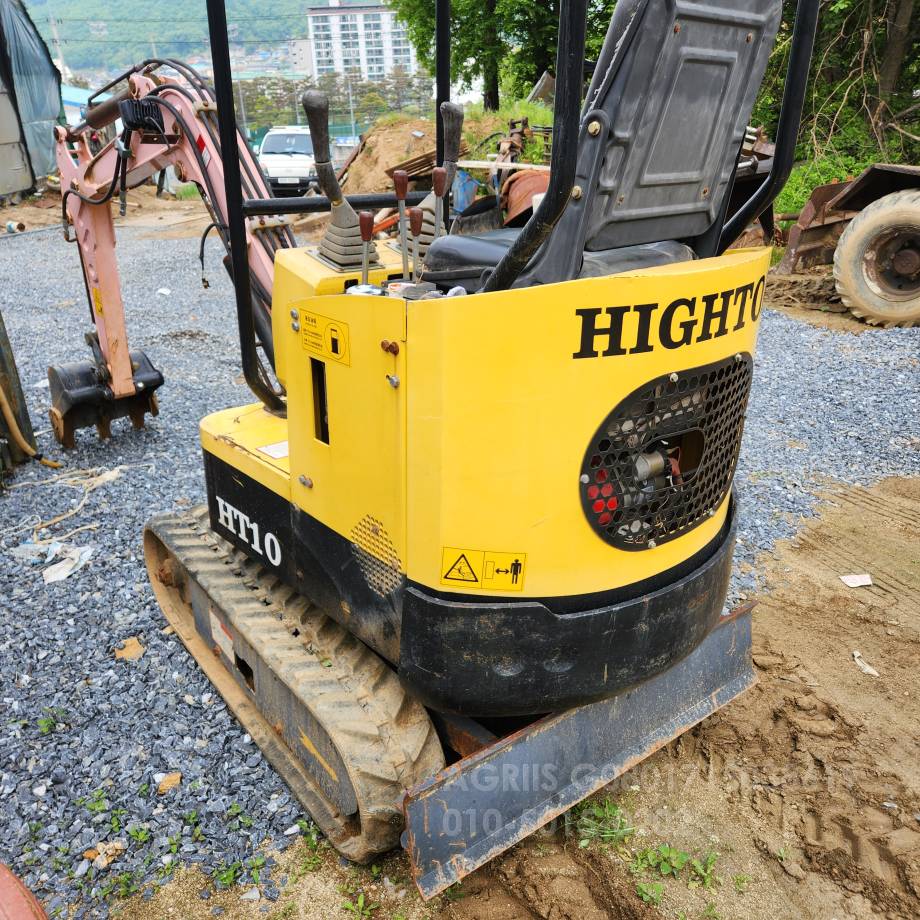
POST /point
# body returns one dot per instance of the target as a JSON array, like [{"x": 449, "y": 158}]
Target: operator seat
[{"x": 660, "y": 131}]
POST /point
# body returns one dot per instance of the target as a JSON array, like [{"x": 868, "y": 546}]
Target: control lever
[
  {"x": 401, "y": 185},
  {"x": 342, "y": 243},
  {"x": 452, "y": 119},
  {"x": 439, "y": 183},
  {"x": 416, "y": 217},
  {"x": 366, "y": 224},
  {"x": 432, "y": 206}
]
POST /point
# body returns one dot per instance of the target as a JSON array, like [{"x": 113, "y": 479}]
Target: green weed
[
  {"x": 604, "y": 822},
  {"x": 360, "y": 907},
  {"x": 650, "y": 892},
  {"x": 703, "y": 871},
  {"x": 228, "y": 874}
]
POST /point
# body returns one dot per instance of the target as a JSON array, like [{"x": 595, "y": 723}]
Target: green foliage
[
  {"x": 52, "y": 720},
  {"x": 118, "y": 31},
  {"x": 360, "y": 907},
  {"x": 740, "y": 881},
  {"x": 670, "y": 862},
  {"x": 264, "y": 102},
  {"x": 228, "y": 874},
  {"x": 860, "y": 98},
  {"x": 703, "y": 871},
  {"x": 187, "y": 191},
  {"x": 650, "y": 892},
  {"x": 602, "y": 822},
  {"x": 139, "y": 833}
]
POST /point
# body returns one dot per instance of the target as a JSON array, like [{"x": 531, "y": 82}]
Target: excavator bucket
[{"x": 81, "y": 397}]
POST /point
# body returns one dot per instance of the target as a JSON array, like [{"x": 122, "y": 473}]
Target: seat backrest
[{"x": 661, "y": 127}]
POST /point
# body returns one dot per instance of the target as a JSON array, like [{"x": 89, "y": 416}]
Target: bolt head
[
  {"x": 673, "y": 378},
  {"x": 393, "y": 381},
  {"x": 738, "y": 356},
  {"x": 576, "y": 191},
  {"x": 295, "y": 326},
  {"x": 651, "y": 544},
  {"x": 305, "y": 481},
  {"x": 584, "y": 479},
  {"x": 294, "y": 313},
  {"x": 594, "y": 128}
]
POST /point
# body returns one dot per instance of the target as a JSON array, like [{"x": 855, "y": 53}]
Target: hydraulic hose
[{"x": 13, "y": 426}]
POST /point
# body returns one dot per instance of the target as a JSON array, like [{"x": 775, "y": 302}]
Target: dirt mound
[
  {"x": 549, "y": 881},
  {"x": 387, "y": 144},
  {"x": 811, "y": 297}
]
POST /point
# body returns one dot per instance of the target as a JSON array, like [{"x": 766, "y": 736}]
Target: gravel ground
[{"x": 85, "y": 738}]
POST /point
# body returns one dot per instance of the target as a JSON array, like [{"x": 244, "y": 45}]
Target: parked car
[{"x": 286, "y": 158}]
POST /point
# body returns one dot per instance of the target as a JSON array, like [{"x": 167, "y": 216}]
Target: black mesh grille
[{"x": 664, "y": 458}]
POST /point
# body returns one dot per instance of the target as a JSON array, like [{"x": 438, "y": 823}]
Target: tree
[
  {"x": 865, "y": 70},
  {"x": 478, "y": 48}
]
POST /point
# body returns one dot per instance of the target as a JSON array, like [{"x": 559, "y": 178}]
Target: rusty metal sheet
[
  {"x": 476, "y": 808},
  {"x": 872, "y": 183},
  {"x": 813, "y": 237}
]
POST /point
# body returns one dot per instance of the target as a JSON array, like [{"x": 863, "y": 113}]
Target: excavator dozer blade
[
  {"x": 483, "y": 804},
  {"x": 80, "y": 397}
]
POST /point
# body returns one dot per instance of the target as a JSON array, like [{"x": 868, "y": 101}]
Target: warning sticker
[
  {"x": 97, "y": 300},
  {"x": 325, "y": 336},
  {"x": 484, "y": 570}
]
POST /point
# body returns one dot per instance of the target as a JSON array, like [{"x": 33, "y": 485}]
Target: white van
[{"x": 286, "y": 158}]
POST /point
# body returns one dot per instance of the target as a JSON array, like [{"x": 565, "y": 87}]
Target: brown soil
[
  {"x": 808, "y": 786},
  {"x": 162, "y": 216},
  {"x": 812, "y": 297},
  {"x": 385, "y": 146}
]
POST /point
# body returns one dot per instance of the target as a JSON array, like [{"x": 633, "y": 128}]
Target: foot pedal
[{"x": 80, "y": 397}]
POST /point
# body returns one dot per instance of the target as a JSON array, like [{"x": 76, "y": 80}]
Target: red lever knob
[
  {"x": 401, "y": 183},
  {"x": 416, "y": 216},
  {"x": 439, "y": 181},
  {"x": 366, "y": 223}
]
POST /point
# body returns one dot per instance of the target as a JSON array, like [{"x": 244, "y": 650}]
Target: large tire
[{"x": 868, "y": 282}]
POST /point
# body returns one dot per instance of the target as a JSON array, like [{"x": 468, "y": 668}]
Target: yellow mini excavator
[{"x": 465, "y": 559}]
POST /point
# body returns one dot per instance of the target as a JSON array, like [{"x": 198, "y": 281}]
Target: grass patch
[
  {"x": 187, "y": 191},
  {"x": 601, "y": 822}
]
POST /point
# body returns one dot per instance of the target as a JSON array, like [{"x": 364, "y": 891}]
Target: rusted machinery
[{"x": 869, "y": 229}]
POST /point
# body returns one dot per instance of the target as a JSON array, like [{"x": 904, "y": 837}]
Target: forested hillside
[{"x": 119, "y": 32}]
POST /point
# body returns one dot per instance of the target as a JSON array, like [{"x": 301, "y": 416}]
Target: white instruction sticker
[{"x": 277, "y": 451}]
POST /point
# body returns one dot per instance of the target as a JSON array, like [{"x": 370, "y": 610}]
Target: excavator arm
[{"x": 166, "y": 122}]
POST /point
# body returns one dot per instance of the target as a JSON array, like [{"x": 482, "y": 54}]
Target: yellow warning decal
[
  {"x": 325, "y": 336},
  {"x": 97, "y": 300},
  {"x": 482, "y": 570}
]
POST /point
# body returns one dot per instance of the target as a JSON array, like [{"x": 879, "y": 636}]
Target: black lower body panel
[
  {"x": 490, "y": 658},
  {"x": 479, "y": 656}
]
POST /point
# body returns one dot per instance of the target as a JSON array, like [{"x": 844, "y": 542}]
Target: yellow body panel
[
  {"x": 469, "y": 441},
  {"x": 253, "y": 441}
]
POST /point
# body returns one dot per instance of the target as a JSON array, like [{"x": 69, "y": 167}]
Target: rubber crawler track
[{"x": 383, "y": 736}]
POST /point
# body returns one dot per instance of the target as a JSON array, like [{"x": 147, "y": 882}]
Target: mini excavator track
[{"x": 328, "y": 713}]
